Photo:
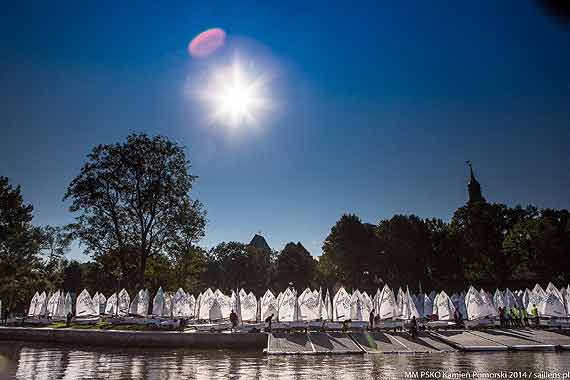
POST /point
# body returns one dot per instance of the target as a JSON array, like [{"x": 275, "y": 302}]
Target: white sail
[
  {"x": 68, "y": 304},
  {"x": 180, "y": 305},
  {"x": 33, "y": 305},
  {"x": 535, "y": 298},
  {"x": 510, "y": 299},
  {"x": 418, "y": 301},
  {"x": 124, "y": 302},
  {"x": 356, "y": 306},
  {"x": 287, "y": 306},
  {"x": 139, "y": 305},
  {"x": 408, "y": 306},
  {"x": 197, "y": 306},
  {"x": 428, "y": 305},
  {"x": 341, "y": 305},
  {"x": 498, "y": 299},
  {"x": 526, "y": 297},
  {"x": 167, "y": 309},
  {"x": 191, "y": 305},
  {"x": 268, "y": 305},
  {"x": 225, "y": 304},
  {"x": 248, "y": 307},
  {"x": 235, "y": 301},
  {"x": 492, "y": 310},
  {"x": 327, "y": 313},
  {"x": 205, "y": 304},
  {"x": 399, "y": 300},
  {"x": 59, "y": 310},
  {"x": 445, "y": 307},
  {"x": 538, "y": 290},
  {"x": 309, "y": 306},
  {"x": 367, "y": 305},
  {"x": 41, "y": 306},
  {"x": 387, "y": 304},
  {"x": 95, "y": 300},
  {"x": 476, "y": 307},
  {"x": 111, "y": 306},
  {"x": 158, "y": 303},
  {"x": 567, "y": 300},
  {"x": 215, "y": 312},
  {"x": 52, "y": 303},
  {"x": 550, "y": 306},
  {"x": 554, "y": 290},
  {"x": 459, "y": 303},
  {"x": 102, "y": 303},
  {"x": 84, "y": 305}
]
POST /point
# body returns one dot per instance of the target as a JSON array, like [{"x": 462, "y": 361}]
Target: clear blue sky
[{"x": 380, "y": 105}]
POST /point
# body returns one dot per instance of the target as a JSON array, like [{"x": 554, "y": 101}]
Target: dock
[
  {"x": 399, "y": 343},
  {"x": 354, "y": 343},
  {"x": 311, "y": 343},
  {"x": 502, "y": 339}
]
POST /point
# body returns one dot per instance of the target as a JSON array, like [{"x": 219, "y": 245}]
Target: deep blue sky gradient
[{"x": 379, "y": 106}]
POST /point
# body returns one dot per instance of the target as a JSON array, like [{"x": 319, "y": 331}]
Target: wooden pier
[
  {"x": 399, "y": 343},
  {"x": 311, "y": 343},
  {"x": 502, "y": 340}
]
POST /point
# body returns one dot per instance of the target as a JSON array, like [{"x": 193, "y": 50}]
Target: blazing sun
[{"x": 236, "y": 96}]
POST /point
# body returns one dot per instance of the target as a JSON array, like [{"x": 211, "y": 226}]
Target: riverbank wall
[{"x": 115, "y": 338}]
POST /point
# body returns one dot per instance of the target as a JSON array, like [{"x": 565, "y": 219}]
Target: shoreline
[
  {"x": 386, "y": 342},
  {"x": 120, "y": 338}
]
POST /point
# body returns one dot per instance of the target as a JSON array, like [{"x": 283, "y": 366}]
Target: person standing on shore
[
  {"x": 5, "y": 317},
  {"x": 507, "y": 317},
  {"x": 515, "y": 317},
  {"x": 234, "y": 320},
  {"x": 268, "y": 321},
  {"x": 502, "y": 317},
  {"x": 414, "y": 327},
  {"x": 524, "y": 316},
  {"x": 371, "y": 319}
]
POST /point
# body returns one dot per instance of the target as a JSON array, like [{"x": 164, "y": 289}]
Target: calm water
[{"x": 37, "y": 361}]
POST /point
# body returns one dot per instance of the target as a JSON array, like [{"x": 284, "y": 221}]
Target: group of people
[{"x": 517, "y": 317}]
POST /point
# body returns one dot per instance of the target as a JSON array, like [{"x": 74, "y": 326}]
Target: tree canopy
[{"x": 132, "y": 200}]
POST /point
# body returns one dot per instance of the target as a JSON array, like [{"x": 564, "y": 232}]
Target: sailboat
[
  {"x": 86, "y": 312},
  {"x": 341, "y": 306}
]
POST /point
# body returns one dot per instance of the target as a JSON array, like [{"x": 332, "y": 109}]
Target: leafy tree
[
  {"x": 353, "y": 247},
  {"x": 446, "y": 262},
  {"x": 235, "y": 265},
  {"x": 229, "y": 261},
  {"x": 55, "y": 243},
  {"x": 20, "y": 241},
  {"x": 484, "y": 227},
  {"x": 326, "y": 272},
  {"x": 295, "y": 264},
  {"x": 133, "y": 199},
  {"x": 539, "y": 242},
  {"x": 405, "y": 249},
  {"x": 188, "y": 267},
  {"x": 72, "y": 277}
]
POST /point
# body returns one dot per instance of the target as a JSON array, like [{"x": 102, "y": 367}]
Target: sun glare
[{"x": 236, "y": 96}]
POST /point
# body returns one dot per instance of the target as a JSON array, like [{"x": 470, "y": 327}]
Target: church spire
[{"x": 474, "y": 188}]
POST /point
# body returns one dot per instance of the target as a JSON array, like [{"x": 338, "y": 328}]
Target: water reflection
[{"x": 45, "y": 362}]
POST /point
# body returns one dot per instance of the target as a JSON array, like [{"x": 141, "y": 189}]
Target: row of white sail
[{"x": 310, "y": 305}]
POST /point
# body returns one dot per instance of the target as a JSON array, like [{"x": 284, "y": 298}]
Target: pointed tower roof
[
  {"x": 259, "y": 242},
  {"x": 473, "y": 187}
]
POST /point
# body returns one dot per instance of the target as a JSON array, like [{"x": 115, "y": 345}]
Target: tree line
[{"x": 136, "y": 220}]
